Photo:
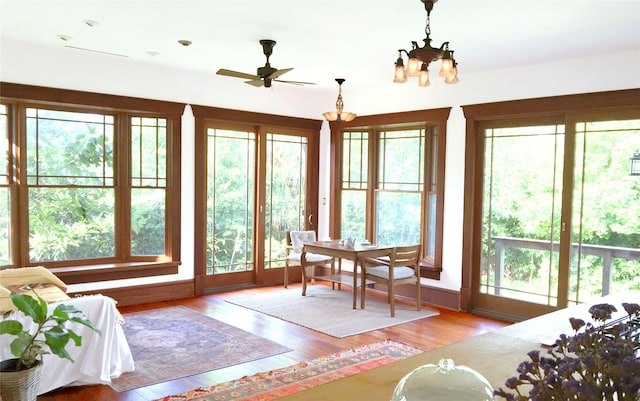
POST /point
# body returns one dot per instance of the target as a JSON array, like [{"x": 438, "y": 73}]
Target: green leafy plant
[
  {"x": 599, "y": 362},
  {"x": 51, "y": 334}
]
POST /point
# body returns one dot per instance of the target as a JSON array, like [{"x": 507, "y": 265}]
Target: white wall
[{"x": 37, "y": 66}]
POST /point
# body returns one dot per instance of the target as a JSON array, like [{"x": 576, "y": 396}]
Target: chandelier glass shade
[
  {"x": 419, "y": 58},
  {"x": 339, "y": 114}
]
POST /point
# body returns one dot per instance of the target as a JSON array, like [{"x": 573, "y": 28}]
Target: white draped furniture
[{"x": 99, "y": 359}]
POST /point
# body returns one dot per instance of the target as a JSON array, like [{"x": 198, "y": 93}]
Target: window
[
  {"x": 391, "y": 181},
  {"x": 5, "y": 188},
  {"x": 70, "y": 185},
  {"x": 549, "y": 202},
  {"x": 95, "y": 186},
  {"x": 400, "y": 187},
  {"x": 355, "y": 165}
]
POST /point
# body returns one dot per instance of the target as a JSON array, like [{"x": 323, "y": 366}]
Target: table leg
[
  {"x": 363, "y": 284},
  {"x": 355, "y": 282}
]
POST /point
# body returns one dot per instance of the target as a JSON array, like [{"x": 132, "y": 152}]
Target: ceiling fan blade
[
  {"x": 255, "y": 82},
  {"x": 295, "y": 82},
  {"x": 236, "y": 74},
  {"x": 279, "y": 73}
]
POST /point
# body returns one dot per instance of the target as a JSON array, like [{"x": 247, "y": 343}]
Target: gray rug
[
  {"x": 330, "y": 311},
  {"x": 174, "y": 342}
]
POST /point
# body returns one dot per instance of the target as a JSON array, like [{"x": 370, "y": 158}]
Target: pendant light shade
[{"x": 339, "y": 114}]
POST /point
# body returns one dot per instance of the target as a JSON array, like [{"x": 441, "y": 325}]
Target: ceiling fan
[{"x": 265, "y": 75}]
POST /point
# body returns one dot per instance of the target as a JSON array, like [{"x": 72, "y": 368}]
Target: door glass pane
[
  {"x": 230, "y": 200},
  {"x": 521, "y": 212},
  {"x": 606, "y": 211},
  {"x": 285, "y": 193}
]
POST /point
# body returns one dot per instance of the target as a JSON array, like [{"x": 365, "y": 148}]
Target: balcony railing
[{"x": 607, "y": 253}]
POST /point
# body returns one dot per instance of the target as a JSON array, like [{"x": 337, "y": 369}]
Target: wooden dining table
[{"x": 338, "y": 249}]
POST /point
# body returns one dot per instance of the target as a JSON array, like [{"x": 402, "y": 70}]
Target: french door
[
  {"x": 560, "y": 221},
  {"x": 257, "y": 190}
]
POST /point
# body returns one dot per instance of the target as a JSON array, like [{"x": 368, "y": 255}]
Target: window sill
[
  {"x": 430, "y": 271},
  {"x": 114, "y": 271}
]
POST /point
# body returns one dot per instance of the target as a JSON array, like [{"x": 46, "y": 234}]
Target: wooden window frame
[
  {"x": 509, "y": 113},
  {"x": 207, "y": 117},
  {"x": 434, "y": 117},
  {"x": 18, "y": 97}
]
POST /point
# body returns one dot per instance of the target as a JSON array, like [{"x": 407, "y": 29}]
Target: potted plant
[
  {"x": 20, "y": 375},
  {"x": 601, "y": 361}
]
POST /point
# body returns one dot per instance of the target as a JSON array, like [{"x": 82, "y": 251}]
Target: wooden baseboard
[
  {"x": 143, "y": 294},
  {"x": 185, "y": 289},
  {"x": 436, "y": 296}
]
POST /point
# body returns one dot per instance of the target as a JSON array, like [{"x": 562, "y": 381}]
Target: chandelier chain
[{"x": 427, "y": 29}]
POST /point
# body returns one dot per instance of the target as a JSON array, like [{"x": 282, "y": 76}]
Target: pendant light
[{"x": 339, "y": 115}]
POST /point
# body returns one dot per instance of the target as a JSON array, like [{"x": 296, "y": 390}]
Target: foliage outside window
[
  {"x": 231, "y": 197},
  {"x": 285, "y": 193},
  {"x": 355, "y": 165},
  {"x": 230, "y": 200},
  {"x": 6, "y": 185},
  {"x": 400, "y": 188},
  {"x": 389, "y": 186},
  {"x": 523, "y": 204},
  {"x": 71, "y": 188},
  {"x": 91, "y": 183},
  {"x": 148, "y": 185}
]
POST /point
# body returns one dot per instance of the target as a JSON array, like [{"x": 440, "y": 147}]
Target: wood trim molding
[
  {"x": 248, "y": 117},
  {"x": 558, "y": 105},
  {"x": 73, "y": 97},
  {"x": 137, "y": 295}
]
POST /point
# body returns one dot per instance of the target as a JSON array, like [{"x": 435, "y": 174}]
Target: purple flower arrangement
[{"x": 600, "y": 362}]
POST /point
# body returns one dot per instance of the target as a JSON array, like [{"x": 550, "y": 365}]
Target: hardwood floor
[{"x": 448, "y": 327}]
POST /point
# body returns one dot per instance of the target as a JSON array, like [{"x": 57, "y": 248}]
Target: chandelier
[
  {"x": 339, "y": 114},
  {"x": 426, "y": 54}
]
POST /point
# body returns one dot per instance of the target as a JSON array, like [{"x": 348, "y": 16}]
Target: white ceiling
[{"x": 322, "y": 40}]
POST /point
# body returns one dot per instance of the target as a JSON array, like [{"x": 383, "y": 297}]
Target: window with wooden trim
[
  {"x": 97, "y": 188},
  {"x": 390, "y": 176},
  {"x": 397, "y": 188},
  {"x": 6, "y": 182}
]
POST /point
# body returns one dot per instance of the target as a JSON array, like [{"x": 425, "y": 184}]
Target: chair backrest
[
  {"x": 406, "y": 256},
  {"x": 297, "y": 238}
]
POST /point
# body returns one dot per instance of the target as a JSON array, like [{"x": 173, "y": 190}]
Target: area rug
[
  {"x": 330, "y": 311},
  {"x": 281, "y": 382},
  {"x": 174, "y": 342}
]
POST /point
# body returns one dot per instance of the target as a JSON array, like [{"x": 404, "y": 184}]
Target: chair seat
[
  {"x": 311, "y": 257},
  {"x": 399, "y": 273}
]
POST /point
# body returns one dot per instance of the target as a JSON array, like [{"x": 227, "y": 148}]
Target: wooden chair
[
  {"x": 397, "y": 268},
  {"x": 295, "y": 241}
]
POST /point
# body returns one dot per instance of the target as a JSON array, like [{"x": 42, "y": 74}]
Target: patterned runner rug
[
  {"x": 281, "y": 382},
  {"x": 174, "y": 342}
]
